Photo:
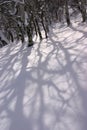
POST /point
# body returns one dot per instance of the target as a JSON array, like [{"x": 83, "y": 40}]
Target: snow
[{"x": 45, "y": 87}]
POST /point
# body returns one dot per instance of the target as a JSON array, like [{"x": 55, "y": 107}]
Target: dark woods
[{"x": 28, "y": 17}]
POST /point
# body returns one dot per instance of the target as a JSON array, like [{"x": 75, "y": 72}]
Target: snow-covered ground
[{"x": 45, "y": 87}]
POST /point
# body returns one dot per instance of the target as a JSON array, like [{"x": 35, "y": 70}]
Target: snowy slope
[{"x": 45, "y": 87}]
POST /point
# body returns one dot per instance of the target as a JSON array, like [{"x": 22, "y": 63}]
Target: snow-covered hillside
[{"x": 45, "y": 87}]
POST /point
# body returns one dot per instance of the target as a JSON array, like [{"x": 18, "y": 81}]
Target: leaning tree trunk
[{"x": 38, "y": 28}]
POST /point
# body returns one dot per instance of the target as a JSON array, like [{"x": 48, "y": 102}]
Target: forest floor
[{"x": 44, "y": 87}]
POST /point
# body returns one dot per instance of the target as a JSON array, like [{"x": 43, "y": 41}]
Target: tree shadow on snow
[{"x": 44, "y": 87}]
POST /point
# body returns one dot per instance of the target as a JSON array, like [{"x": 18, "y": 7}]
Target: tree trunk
[
  {"x": 67, "y": 13},
  {"x": 83, "y": 10}
]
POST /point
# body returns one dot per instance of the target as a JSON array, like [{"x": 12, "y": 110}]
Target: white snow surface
[{"x": 44, "y": 87}]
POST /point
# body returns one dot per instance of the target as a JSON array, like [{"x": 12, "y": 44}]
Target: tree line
[{"x": 20, "y": 18}]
